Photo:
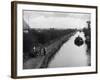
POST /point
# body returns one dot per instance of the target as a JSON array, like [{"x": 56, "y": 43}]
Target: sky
[{"x": 59, "y": 20}]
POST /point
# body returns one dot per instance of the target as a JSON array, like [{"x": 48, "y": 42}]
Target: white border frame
[{"x": 35, "y": 72}]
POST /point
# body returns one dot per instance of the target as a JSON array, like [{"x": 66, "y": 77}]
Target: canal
[{"x": 71, "y": 55}]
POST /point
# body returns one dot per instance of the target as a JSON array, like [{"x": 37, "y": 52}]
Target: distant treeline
[{"x": 87, "y": 32}]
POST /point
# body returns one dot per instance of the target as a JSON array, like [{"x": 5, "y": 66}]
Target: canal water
[{"x": 71, "y": 55}]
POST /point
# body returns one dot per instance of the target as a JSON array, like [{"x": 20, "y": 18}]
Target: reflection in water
[{"x": 71, "y": 55}]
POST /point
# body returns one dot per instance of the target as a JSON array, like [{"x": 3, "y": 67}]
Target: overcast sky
[{"x": 43, "y": 19}]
